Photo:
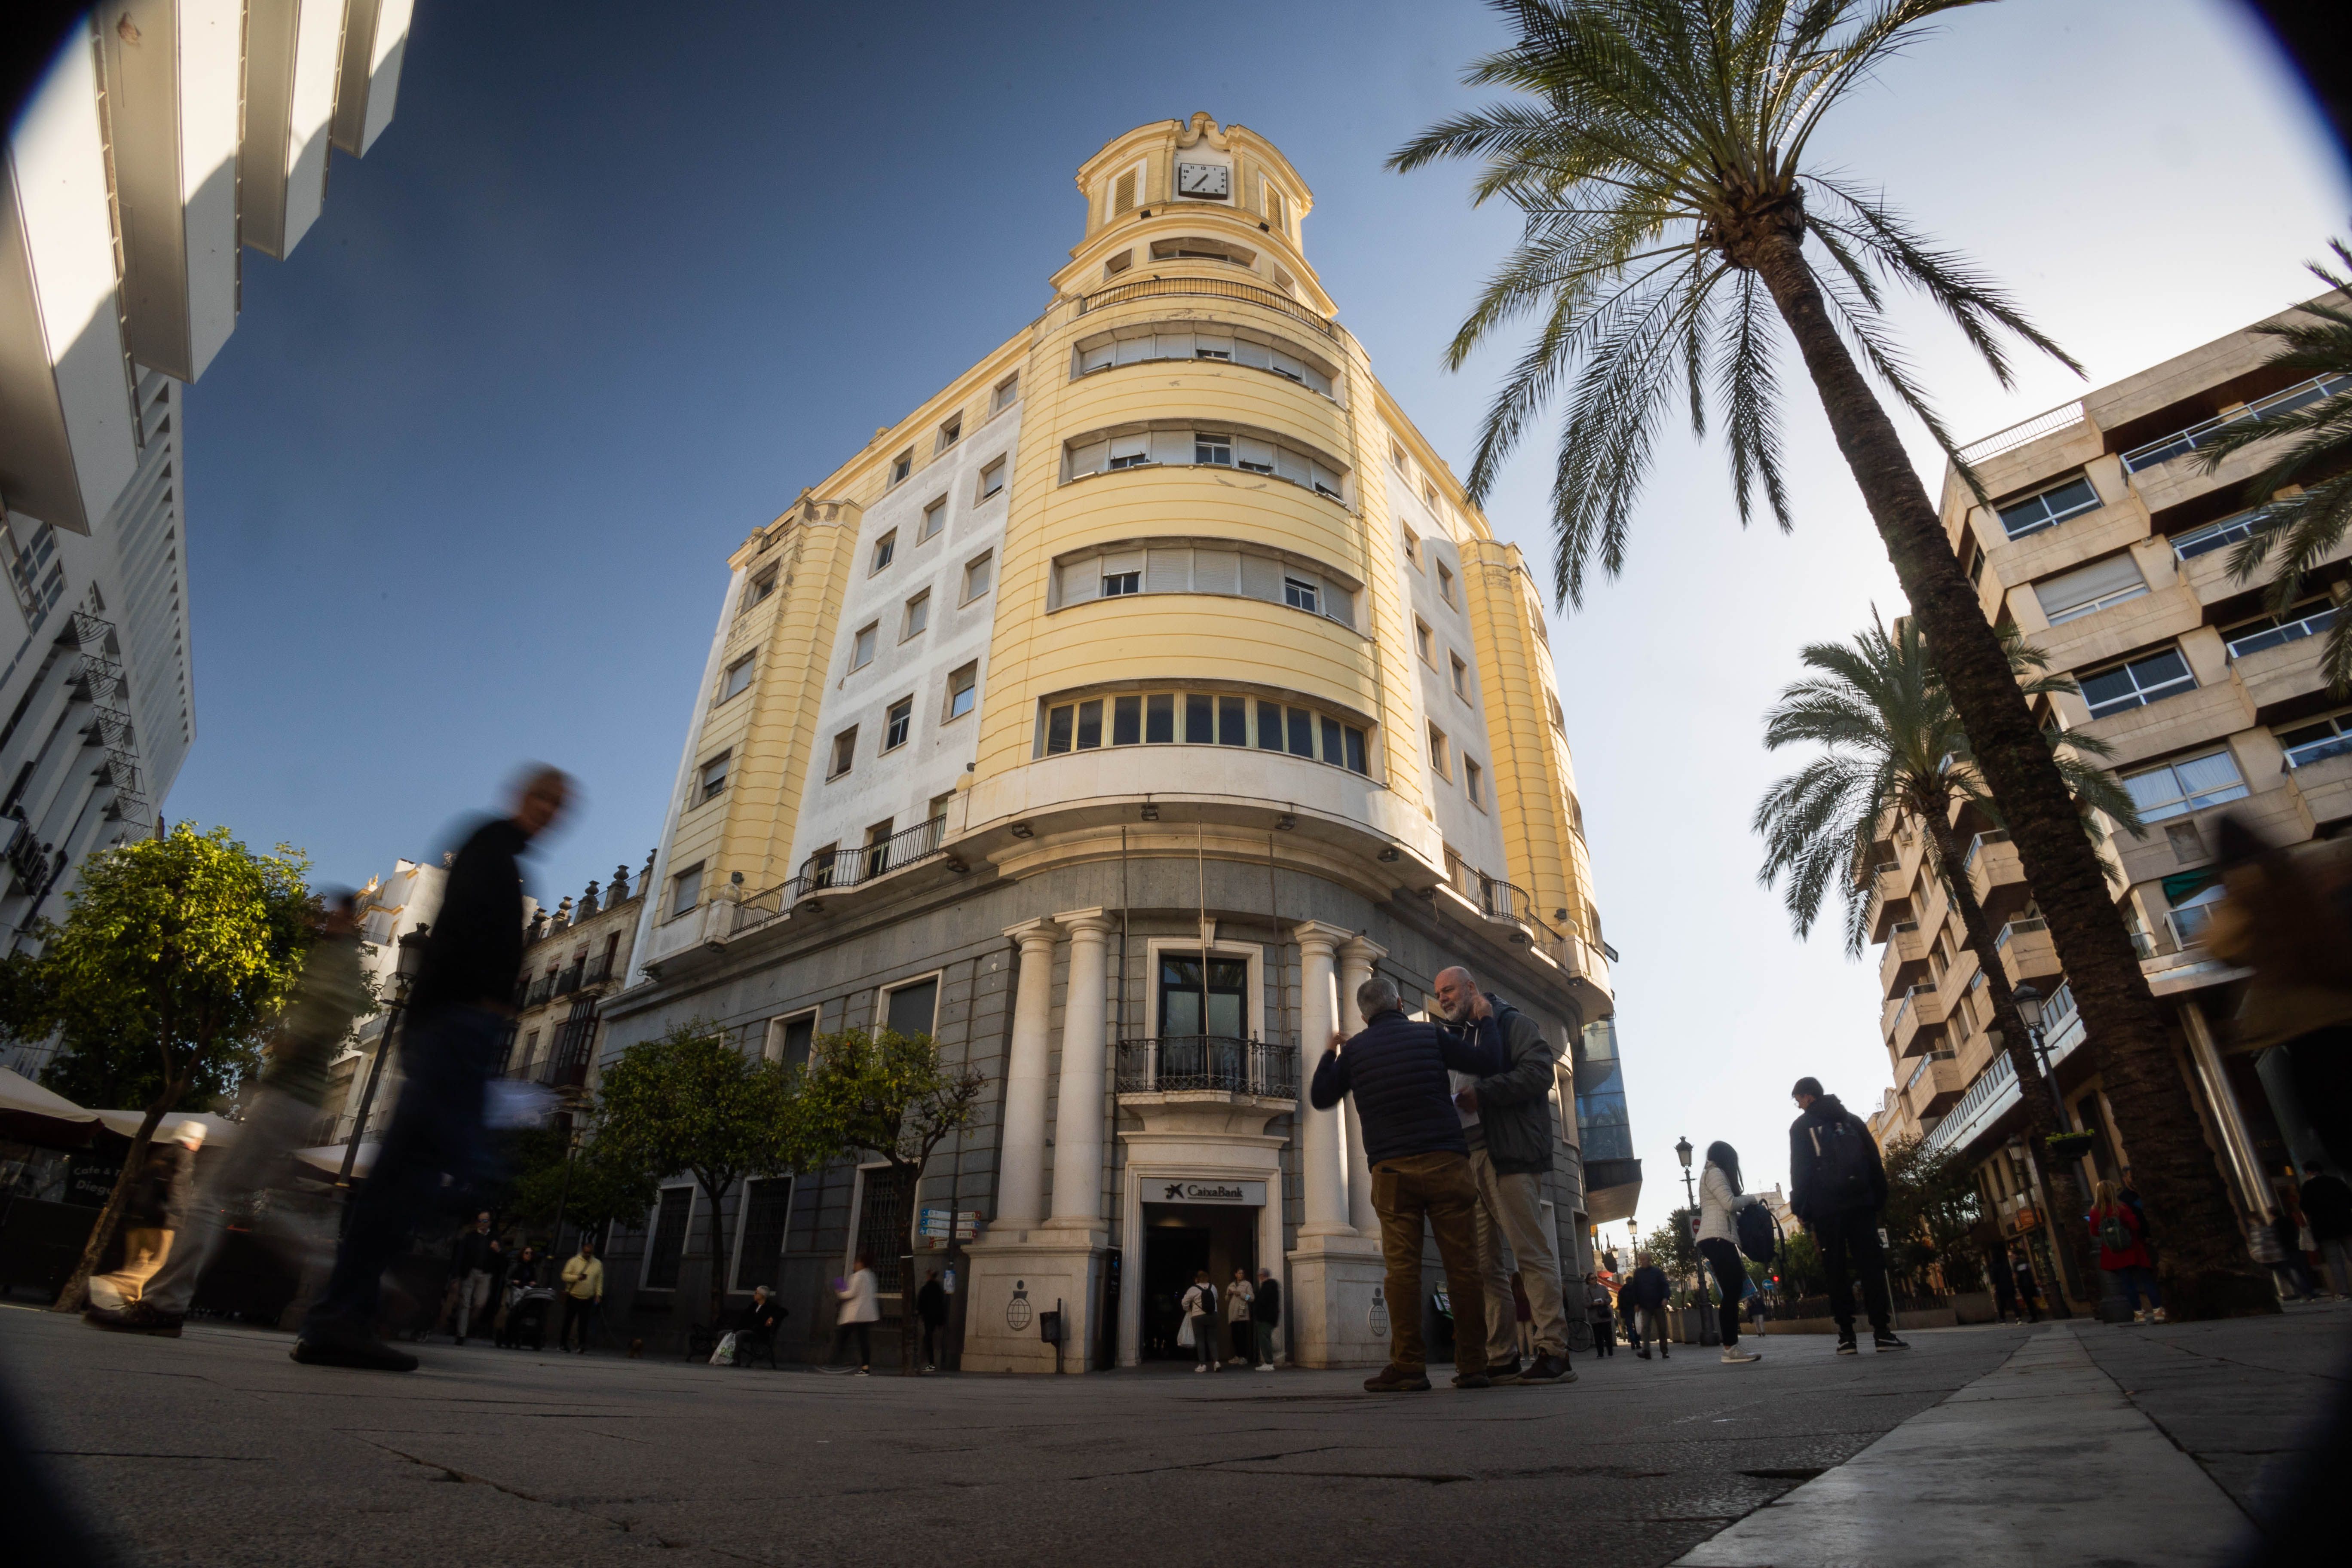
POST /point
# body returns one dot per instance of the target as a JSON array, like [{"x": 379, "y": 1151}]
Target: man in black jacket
[
  {"x": 1420, "y": 1167},
  {"x": 1507, "y": 1119},
  {"x": 451, "y": 1042},
  {"x": 1642, "y": 1302},
  {"x": 1837, "y": 1185},
  {"x": 1265, "y": 1316}
]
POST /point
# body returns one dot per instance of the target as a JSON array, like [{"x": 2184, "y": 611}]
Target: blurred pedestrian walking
[
  {"x": 931, "y": 1306},
  {"x": 1644, "y": 1302},
  {"x": 2004, "y": 1285},
  {"x": 1601, "y": 1315},
  {"x": 2116, "y": 1231},
  {"x": 861, "y": 1308},
  {"x": 451, "y": 1042},
  {"x": 1720, "y": 1200},
  {"x": 1200, "y": 1327},
  {"x": 1837, "y": 1185},
  {"x": 2022, "y": 1270},
  {"x": 158, "y": 1210},
  {"x": 584, "y": 1292},
  {"x": 1265, "y": 1316},
  {"x": 2296, "y": 1242},
  {"x": 469, "y": 1267}
]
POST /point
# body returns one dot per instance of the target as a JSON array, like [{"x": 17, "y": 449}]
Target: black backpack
[
  {"x": 1842, "y": 1167},
  {"x": 1759, "y": 1233}
]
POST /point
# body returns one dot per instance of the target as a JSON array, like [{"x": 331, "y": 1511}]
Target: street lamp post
[
  {"x": 410, "y": 960},
  {"x": 2112, "y": 1306},
  {"x": 1707, "y": 1330}
]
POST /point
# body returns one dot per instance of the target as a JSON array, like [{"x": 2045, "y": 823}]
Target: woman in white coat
[
  {"x": 1719, "y": 1202},
  {"x": 861, "y": 1308}
]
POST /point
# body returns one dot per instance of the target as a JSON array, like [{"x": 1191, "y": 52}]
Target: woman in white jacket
[
  {"x": 861, "y": 1308},
  {"x": 1719, "y": 1201}
]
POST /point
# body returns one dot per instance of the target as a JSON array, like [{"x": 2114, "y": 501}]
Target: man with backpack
[{"x": 1837, "y": 1185}]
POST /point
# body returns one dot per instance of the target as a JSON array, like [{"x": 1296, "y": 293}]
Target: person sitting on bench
[{"x": 755, "y": 1328}]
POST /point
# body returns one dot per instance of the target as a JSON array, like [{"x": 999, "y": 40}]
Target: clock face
[{"x": 1203, "y": 179}]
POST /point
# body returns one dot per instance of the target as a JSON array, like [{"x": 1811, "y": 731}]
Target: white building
[{"x": 163, "y": 138}]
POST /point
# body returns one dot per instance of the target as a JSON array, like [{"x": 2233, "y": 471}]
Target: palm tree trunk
[
  {"x": 2034, "y": 1091},
  {"x": 2208, "y": 1272}
]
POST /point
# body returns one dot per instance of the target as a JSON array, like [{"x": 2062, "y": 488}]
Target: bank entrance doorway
[{"x": 1179, "y": 1239}]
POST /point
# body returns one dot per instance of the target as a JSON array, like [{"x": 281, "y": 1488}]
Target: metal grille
[
  {"x": 1208, "y": 1063},
  {"x": 882, "y": 1228},
  {"x": 103, "y": 674}
]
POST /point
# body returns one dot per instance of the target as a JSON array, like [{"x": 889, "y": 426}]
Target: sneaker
[
  {"x": 1396, "y": 1380},
  {"x": 2156, "y": 1316},
  {"x": 137, "y": 1318},
  {"x": 1501, "y": 1372},
  {"x": 861, "y": 1372},
  {"x": 1266, "y": 1366},
  {"x": 1200, "y": 1366},
  {"x": 369, "y": 1355},
  {"x": 1845, "y": 1345},
  {"x": 1733, "y": 1355},
  {"x": 927, "y": 1367},
  {"x": 1884, "y": 1339},
  {"x": 1549, "y": 1368},
  {"x": 1473, "y": 1380}
]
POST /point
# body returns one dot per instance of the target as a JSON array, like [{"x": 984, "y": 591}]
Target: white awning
[
  {"x": 328, "y": 1157},
  {"x": 21, "y": 1094},
  {"x": 219, "y": 1131}
]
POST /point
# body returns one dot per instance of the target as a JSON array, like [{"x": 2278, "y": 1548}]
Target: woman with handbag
[{"x": 1200, "y": 1329}]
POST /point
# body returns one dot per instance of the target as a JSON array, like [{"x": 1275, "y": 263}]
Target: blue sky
[{"x": 619, "y": 281}]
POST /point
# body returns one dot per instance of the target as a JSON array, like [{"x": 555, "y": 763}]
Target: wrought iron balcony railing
[{"x": 1208, "y": 1063}]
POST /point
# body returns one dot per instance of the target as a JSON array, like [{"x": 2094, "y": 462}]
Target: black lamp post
[
  {"x": 405, "y": 966},
  {"x": 1707, "y": 1331},
  {"x": 2029, "y": 1013}
]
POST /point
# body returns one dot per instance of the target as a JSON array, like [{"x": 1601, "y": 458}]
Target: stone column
[
  {"x": 1321, "y": 1158},
  {"x": 1021, "y": 1171},
  {"x": 1357, "y": 957},
  {"x": 1078, "y": 1109}
]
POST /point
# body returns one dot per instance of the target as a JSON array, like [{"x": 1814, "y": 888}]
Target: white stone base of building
[
  {"x": 1016, "y": 1282},
  {"x": 1337, "y": 1311}
]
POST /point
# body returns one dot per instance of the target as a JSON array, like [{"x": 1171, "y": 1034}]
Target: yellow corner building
[{"x": 1109, "y": 718}]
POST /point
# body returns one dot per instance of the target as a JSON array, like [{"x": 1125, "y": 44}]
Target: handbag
[{"x": 1184, "y": 1341}]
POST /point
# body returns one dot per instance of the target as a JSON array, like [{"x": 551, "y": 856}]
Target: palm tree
[
  {"x": 2304, "y": 529},
  {"x": 1661, "y": 153},
  {"x": 1894, "y": 750}
]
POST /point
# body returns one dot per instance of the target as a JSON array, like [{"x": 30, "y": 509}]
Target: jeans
[
  {"x": 576, "y": 1309},
  {"x": 1605, "y": 1336},
  {"x": 1852, "y": 1238},
  {"x": 864, "y": 1332},
  {"x": 1511, "y": 1209},
  {"x": 274, "y": 1125},
  {"x": 1204, "y": 1339},
  {"x": 427, "y": 1162},
  {"x": 1730, "y": 1280},
  {"x": 2133, "y": 1282},
  {"x": 1264, "y": 1333},
  {"x": 932, "y": 1334},
  {"x": 1439, "y": 1188}
]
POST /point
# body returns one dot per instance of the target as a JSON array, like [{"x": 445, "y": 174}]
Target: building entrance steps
[{"x": 2045, "y": 1459}]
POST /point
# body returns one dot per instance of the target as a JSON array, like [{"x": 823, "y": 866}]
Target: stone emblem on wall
[
  {"x": 1380, "y": 1313},
  {"x": 1017, "y": 1311}
]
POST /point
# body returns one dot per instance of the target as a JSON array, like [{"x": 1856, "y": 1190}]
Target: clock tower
[{"x": 1176, "y": 192}]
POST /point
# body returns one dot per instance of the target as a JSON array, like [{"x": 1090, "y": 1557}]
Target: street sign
[{"x": 934, "y": 1224}]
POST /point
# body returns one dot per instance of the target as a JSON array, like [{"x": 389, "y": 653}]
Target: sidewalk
[{"x": 2092, "y": 1443}]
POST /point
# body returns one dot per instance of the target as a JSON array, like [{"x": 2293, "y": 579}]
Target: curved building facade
[{"x": 1110, "y": 717}]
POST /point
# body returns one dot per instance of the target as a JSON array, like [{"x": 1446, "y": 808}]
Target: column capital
[
  {"x": 1362, "y": 950},
  {"x": 1095, "y": 921},
  {"x": 1321, "y": 935},
  {"x": 1041, "y": 931}
]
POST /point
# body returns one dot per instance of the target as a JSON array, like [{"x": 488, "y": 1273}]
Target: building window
[
  {"x": 2175, "y": 789},
  {"x": 1213, "y": 449},
  {"x": 1199, "y": 718},
  {"x": 885, "y": 550},
  {"x": 1413, "y": 548},
  {"x": 992, "y": 479},
  {"x": 963, "y": 688},
  {"x": 938, "y": 811},
  {"x": 1115, "y": 264},
  {"x": 901, "y": 466},
  {"x": 714, "y": 778},
  {"x": 2307, "y": 619},
  {"x": 897, "y": 721},
  {"x": 2218, "y": 535},
  {"x": 1445, "y": 584},
  {"x": 2087, "y": 590},
  {"x": 913, "y": 1009},
  {"x": 1559, "y": 719},
  {"x": 763, "y": 585},
  {"x": 976, "y": 574},
  {"x": 1277, "y": 210},
  {"x": 1122, "y": 192},
  {"x": 2330, "y": 736},
  {"x": 1423, "y": 642},
  {"x": 1441, "y": 755},
  {"x": 935, "y": 518},
  {"x": 1976, "y": 562},
  {"x": 738, "y": 678},
  {"x": 2138, "y": 683},
  {"x": 37, "y": 575},
  {"x": 845, "y": 751},
  {"x": 1226, "y": 568},
  {"x": 2049, "y": 507},
  {"x": 950, "y": 434},
  {"x": 1130, "y": 451},
  {"x": 666, "y": 1247},
  {"x": 1218, "y": 345},
  {"x": 685, "y": 890},
  {"x": 1473, "y": 778},
  {"x": 861, "y": 646},
  {"x": 1300, "y": 596},
  {"x": 1461, "y": 676},
  {"x": 1006, "y": 391},
  {"x": 1116, "y": 584},
  {"x": 759, "y": 1249},
  {"x": 918, "y": 616}
]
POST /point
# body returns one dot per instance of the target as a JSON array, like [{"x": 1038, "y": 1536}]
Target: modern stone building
[
  {"x": 167, "y": 136},
  {"x": 1110, "y": 717},
  {"x": 2109, "y": 545}
]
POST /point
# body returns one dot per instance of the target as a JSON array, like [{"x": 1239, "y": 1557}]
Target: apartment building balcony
[
  {"x": 2325, "y": 786},
  {"x": 539, "y": 991},
  {"x": 1219, "y": 1066},
  {"x": 1905, "y": 961},
  {"x": 2026, "y": 951},
  {"x": 2288, "y": 669},
  {"x": 2203, "y": 556},
  {"x": 1935, "y": 1085},
  {"x": 1996, "y": 874},
  {"x": 2157, "y": 615},
  {"x": 2168, "y": 723},
  {"x": 1919, "y": 1021},
  {"x": 2205, "y": 432}
]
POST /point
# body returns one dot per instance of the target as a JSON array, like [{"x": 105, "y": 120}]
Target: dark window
[
  {"x": 1126, "y": 720},
  {"x": 1090, "y": 724},
  {"x": 1180, "y": 995},
  {"x": 1057, "y": 729},
  {"x": 799, "y": 1034},
  {"x": 1160, "y": 719},
  {"x": 912, "y": 1008},
  {"x": 1233, "y": 721},
  {"x": 1116, "y": 583},
  {"x": 1302, "y": 732},
  {"x": 1331, "y": 741},
  {"x": 759, "y": 1258},
  {"x": 1200, "y": 720},
  {"x": 1269, "y": 726},
  {"x": 2049, "y": 509},
  {"x": 2134, "y": 684},
  {"x": 666, "y": 1246},
  {"x": 1356, "y": 759}
]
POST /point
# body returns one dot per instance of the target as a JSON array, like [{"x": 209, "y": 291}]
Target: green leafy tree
[
  {"x": 887, "y": 1094},
  {"x": 1802, "y": 1272},
  {"x": 556, "y": 1174},
  {"x": 1932, "y": 1213},
  {"x": 1894, "y": 751},
  {"x": 2304, "y": 529},
  {"x": 1673, "y": 1247},
  {"x": 1677, "y": 219},
  {"x": 690, "y": 1101},
  {"x": 176, "y": 957}
]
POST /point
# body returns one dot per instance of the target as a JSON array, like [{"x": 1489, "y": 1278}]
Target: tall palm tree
[
  {"x": 1662, "y": 154},
  {"x": 1894, "y": 749},
  {"x": 2302, "y": 529}
]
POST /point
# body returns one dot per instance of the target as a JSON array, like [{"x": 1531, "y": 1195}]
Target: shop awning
[
  {"x": 328, "y": 1157},
  {"x": 219, "y": 1131},
  {"x": 22, "y": 1097}
]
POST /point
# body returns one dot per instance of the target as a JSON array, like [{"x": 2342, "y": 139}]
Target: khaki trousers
[
  {"x": 1436, "y": 1187},
  {"x": 144, "y": 1248},
  {"x": 1511, "y": 1209}
]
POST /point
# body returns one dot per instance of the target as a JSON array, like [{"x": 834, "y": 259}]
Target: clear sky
[{"x": 620, "y": 280}]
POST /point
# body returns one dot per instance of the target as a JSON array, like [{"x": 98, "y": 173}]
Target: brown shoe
[
  {"x": 1547, "y": 1368},
  {"x": 1396, "y": 1380},
  {"x": 137, "y": 1318},
  {"x": 1473, "y": 1380}
]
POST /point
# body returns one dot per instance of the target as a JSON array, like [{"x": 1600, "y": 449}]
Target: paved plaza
[{"x": 2064, "y": 1443}]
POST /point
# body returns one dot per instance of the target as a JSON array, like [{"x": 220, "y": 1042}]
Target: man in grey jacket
[{"x": 1507, "y": 1120}]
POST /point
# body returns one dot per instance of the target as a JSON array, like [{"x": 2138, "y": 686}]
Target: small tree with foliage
[
  {"x": 887, "y": 1094},
  {"x": 690, "y": 1101},
  {"x": 550, "y": 1180},
  {"x": 176, "y": 958},
  {"x": 1931, "y": 1214},
  {"x": 1673, "y": 1247}
]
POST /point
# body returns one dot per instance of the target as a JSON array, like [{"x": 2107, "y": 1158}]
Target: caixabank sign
[{"x": 1211, "y": 1191}]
